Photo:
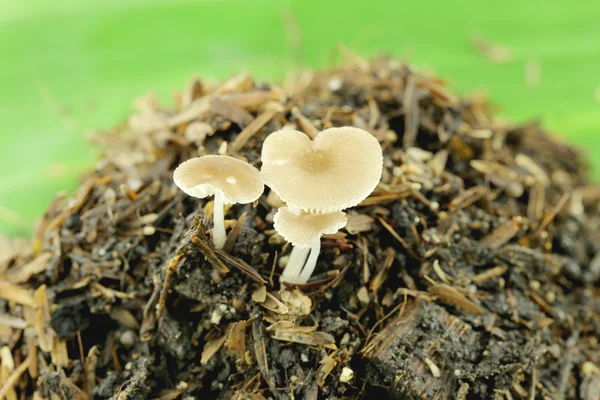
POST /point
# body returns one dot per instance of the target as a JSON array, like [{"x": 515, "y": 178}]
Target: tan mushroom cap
[
  {"x": 304, "y": 229},
  {"x": 239, "y": 181},
  {"x": 337, "y": 170}
]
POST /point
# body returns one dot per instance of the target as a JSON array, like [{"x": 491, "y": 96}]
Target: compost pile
[{"x": 472, "y": 271}]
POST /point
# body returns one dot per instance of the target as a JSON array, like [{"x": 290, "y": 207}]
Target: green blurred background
[{"x": 76, "y": 66}]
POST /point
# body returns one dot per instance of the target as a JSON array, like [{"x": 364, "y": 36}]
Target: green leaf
[{"x": 75, "y": 66}]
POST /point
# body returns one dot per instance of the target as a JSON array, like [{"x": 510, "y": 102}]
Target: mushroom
[
  {"x": 337, "y": 170},
  {"x": 230, "y": 180},
  {"x": 304, "y": 231}
]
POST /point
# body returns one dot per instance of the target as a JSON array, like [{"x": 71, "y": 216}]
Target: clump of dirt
[{"x": 470, "y": 272}]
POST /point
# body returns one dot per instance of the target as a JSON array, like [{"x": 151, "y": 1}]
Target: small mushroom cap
[
  {"x": 337, "y": 170},
  {"x": 304, "y": 229},
  {"x": 200, "y": 177}
]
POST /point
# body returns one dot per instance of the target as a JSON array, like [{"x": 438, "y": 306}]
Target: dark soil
[{"x": 472, "y": 271}]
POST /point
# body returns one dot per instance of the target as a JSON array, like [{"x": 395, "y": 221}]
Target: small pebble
[
  {"x": 128, "y": 338},
  {"x": 148, "y": 230},
  {"x": 363, "y": 295},
  {"x": 334, "y": 84},
  {"x": 535, "y": 285},
  {"x": 346, "y": 375},
  {"x": 345, "y": 339}
]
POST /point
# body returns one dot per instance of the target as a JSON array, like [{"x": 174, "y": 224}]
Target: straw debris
[{"x": 471, "y": 271}]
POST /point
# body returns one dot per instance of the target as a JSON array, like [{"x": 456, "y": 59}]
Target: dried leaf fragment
[
  {"x": 435, "y": 371},
  {"x": 297, "y": 302},
  {"x": 260, "y": 294},
  {"x": 260, "y": 352},
  {"x": 236, "y": 342},
  {"x": 358, "y": 223},
  {"x": 45, "y": 334},
  {"x": 211, "y": 347},
  {"x": 315, "y": 339},
  {"x": 327, "y": 365},
  {"x": 450, "y": 295}
]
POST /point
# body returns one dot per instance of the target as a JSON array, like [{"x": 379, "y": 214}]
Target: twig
[
  {"x": 305, "y": 124},
  {"x": 242, "y": 266},
  {"x": 252, "y": 128},
  {"x": 169, "y": 272},
  {"x": 210, "y": 255},
  {"x": 552, "y": 214},
  {"x": 399, "y": 306},
  {"x": 14, "y": 377},
  {"x": 398, "y": 238}
]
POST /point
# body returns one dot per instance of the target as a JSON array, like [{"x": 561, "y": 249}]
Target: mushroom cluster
[{"x": 317, "y": 179}]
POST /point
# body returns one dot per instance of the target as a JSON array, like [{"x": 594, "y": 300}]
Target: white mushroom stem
[
  {"x": 311, "y": 263},
  {"x": 298, "y": 269},
  {"x": 293, "y": 268},
  {"x": 219, "y": 235}
]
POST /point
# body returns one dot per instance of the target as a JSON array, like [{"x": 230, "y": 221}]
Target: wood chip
[
  {"x": 13, "y": 379},
  {"x": 11, "y": 292},
  {"x": 411, "y": 114},
  {"x": 251, "y": 100},
  {"x": 124, "y": 317},
  {"x": 45, "y": 334},
  {"x": 489, "y": 274},
  {"x": 34, "y": 267},
  {"x": 529, "y": 165},
  {"x": 503, "y": 234},
  {"x": 13, "y": 322},
  {"x": 468, "y": 197}
]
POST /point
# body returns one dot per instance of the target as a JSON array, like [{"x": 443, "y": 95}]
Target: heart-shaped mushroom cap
[
  {"x": 304, "y": 229},
  {"x": 239, "y": 181},
  {"x": 337, "y": 170}
]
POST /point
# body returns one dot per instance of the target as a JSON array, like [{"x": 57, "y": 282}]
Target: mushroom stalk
[
  {"x": 219, "y": 235},
  {"x": 298, "y": 270},
  {"x": 293, "y": 268},
  {"x": 311, "y": 263}
]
